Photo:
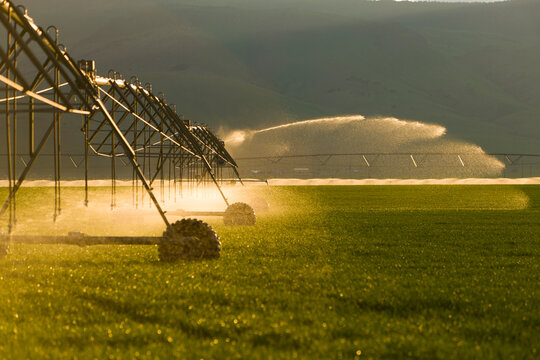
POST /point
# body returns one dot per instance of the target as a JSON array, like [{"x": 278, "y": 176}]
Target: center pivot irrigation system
[{"x": 45, "y": 92}]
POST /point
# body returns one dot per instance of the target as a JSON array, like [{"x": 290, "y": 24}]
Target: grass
[{"x": 331, "y": 272}]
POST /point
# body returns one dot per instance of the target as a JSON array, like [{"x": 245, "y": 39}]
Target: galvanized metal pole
[{"x": 8, "y": 135}]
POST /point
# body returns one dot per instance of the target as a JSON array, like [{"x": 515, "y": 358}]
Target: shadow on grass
[
  {"x": 277, "y": 340},
  {"x": 81, "y": 341},
  {"x": 139, "y": 314},
  {"x": 403, "y": 308}
]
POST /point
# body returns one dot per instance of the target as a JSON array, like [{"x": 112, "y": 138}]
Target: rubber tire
[
  {"x": 189, "y": 239},
  {"x": 239, "y": 214}
]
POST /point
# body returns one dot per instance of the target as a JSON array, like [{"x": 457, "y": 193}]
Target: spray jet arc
[{"x": 121, "y": 122}]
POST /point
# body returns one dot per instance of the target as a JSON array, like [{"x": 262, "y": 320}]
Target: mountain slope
[{"x": 470, "y": 67}]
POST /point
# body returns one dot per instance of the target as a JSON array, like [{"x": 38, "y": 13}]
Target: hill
[{"x": 469, "y": 67}]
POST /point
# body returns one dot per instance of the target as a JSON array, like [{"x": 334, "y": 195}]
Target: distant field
[{"x": 330, "y": 272}]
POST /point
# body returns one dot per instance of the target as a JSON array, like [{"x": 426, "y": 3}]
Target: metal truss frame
[{"x": 120, "y": 119}]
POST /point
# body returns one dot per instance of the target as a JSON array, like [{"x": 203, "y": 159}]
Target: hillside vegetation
[{"x": 470, "y": 67}]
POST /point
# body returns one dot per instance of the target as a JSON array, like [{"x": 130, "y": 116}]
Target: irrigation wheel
[
  {"x": 189, "y": 239},
  {"x": 239, "y": 214}
]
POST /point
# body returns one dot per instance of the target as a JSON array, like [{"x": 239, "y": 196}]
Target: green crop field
[{"x": 330, "y": 272}]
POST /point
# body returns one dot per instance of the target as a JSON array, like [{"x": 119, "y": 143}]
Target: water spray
[{"x": 356, "y": 146}]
